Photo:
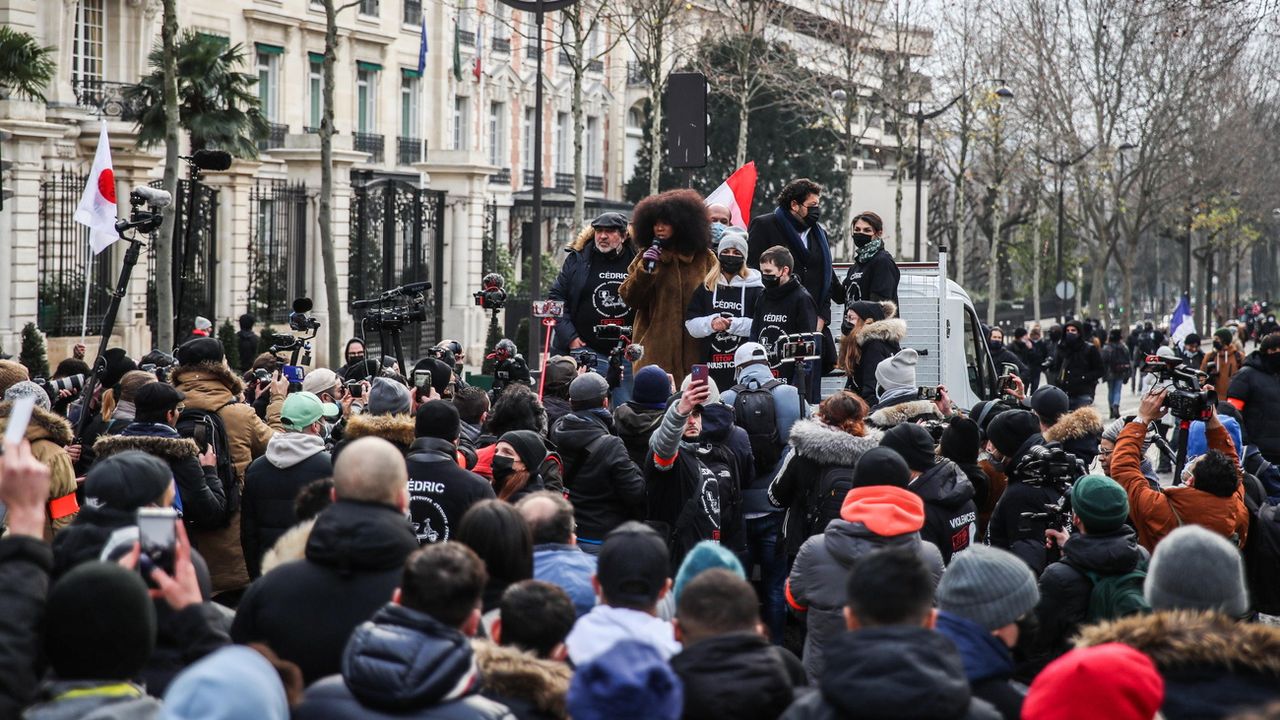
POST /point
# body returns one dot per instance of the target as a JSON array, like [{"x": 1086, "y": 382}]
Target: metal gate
[
  {"x": 397, "y": 237},
  {"x": 195, "y": 260},
  {"x": 277, "y": 249},
  {"x": 62, "y": 252}
]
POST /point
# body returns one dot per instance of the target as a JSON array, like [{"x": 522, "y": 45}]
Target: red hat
[{"x": 1111, "y": 681}]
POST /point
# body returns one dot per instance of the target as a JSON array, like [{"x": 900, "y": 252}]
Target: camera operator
[
  {"x": 353, "y": 357},
  {"x": 588, "y": 284},
  {"x": 1017, "y": 445},
  {"x": 1212, "y": 497},
  {"x": 508, "y": 367}
]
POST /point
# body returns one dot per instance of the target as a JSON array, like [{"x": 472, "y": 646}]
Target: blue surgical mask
[{"x": 717, "y": 233}]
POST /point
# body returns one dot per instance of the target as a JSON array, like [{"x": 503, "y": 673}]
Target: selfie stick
[{"x": 550, "y": 324}]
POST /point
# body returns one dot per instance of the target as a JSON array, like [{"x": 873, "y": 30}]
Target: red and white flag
[
  {"x": 97, "y": 208},
  {"x": 737, "y": 193}
]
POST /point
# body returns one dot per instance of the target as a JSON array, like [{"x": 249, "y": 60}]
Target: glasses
[
  {"x": 1103, "y": 451},
  {"x": 179, "y": 409}
]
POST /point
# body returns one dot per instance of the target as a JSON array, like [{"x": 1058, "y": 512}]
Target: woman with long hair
[
  {"x": 721, "y": 309},
  {"x": 872, "y": 333},
  {"x": 498, "y": 533}
]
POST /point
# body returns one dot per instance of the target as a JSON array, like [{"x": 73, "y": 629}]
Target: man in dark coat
[
  {"x": 1001, "y": 354},
  {"x": 354, "y": 560},
  {"x": 950, "y": 515},
  {"x": 588, "y": 286},
  {"x": 1012, "y": 435},
  {"x": 440, "y": 492},
  {"x": 1076, "y": 366},
  {"x": 247, "y": 342},
  {"x": 1255, "y": 391}
]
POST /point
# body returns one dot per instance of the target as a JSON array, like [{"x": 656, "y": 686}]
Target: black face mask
[
  {"x": 771, "y": 281},
  {"x": 731, "y": 263},
  {"x": 812, "y": 216},
  {"x": 846, "y": 327},
  {"x": 861, "y": 239},
  {"x": 1271, "y": 361},
  {"x": 1217, "y": 344},
  {"x": 503, "y": 469},
  {"x": 1071, "y": 340},
  {"x": 995, "y": 345}
]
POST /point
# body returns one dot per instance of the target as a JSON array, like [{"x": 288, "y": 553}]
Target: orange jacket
[{"x": 1155, "y": 513}]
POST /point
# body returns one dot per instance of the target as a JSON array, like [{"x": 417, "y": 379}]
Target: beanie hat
[
  {"x": 986, "y": 411},
  {"x": 885, "y": 510},
  {"x": 651, "y": 387},
  {"x": 1100, "y": 502},
  {"x": 867, "y": 310},
  {"x": 750, "y": 352},
  {"x": 100, "y": 623},
  {"x": 1191, "y": 339},
  {"x": 301, "y": 409},
  {"x": 234, "y": 683},
  {"x": 437, "y": 419},
  {"x": 528, "y": 446},
  {"x": 157, "y": 396},
  {"x": 561, "y": 370},
  {"x": 712, "y": 397},
  {"x": 913, "y": 443},
  {"x": 199, "y": 350},
  {"x": 1224, "y": 334},
  {"x": 990, "y": 586},
  {"x": 881, "y": 466},
  {"x": 959, "y": 442},
  {"x": 115, "y": 363},
  {"x": 1194, "y": 568},
  {"x": 1050, "y": 403},
  {"x": 202, "y": 323},
  {"x": 735, "y": 241},
  {"x": 1198, "y": 444},
  {"x": 897, "y": 372},
  {"x": 319, "y": 380},
  {"x": 587, "y": 387},
  {"x": 631, "y": 680},
  {"x": 387, "y": 397},
  {"x": 127, "y": 481},
  {"x": 706, "y": 555},
  {"x": 12, "y": 372},
  {"x": 1112, "y": 680},
  {"x": 441, "y": 372},
  {"x": 26, "y": 388},
  {"x": 1009, "y": 430}
]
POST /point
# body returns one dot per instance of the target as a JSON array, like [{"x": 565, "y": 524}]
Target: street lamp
[
  {"x": 1059, "y": 288},
  {"x": 1002, "y": 91}
]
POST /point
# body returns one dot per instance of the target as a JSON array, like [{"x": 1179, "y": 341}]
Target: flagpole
[{"x": 84, "y": 318}]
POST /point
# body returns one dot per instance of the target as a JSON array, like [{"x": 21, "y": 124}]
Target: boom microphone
[
  {"x": 151, "y": 196},
  {"x": 211, "y": 159}
]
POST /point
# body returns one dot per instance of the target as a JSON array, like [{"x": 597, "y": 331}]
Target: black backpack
[
  {"x": 206, "y": 428},
  {"x": 754, "y": 411},
  {"x": 833, "y": 485}
]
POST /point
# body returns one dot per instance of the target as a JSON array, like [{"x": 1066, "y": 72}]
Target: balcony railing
[
  {"x": 595, "y": 183},
  {"x": 274, "y": 138},
  {"x": 467, "y": 37},
  {"x": 595, "y": 66},
  {"x": 370, "y": 143},
  {"x": 564, "y": 181},
  {"x": 564, "y": 57},
  {"x": 636, "y": 74},
  {"x": 107, "y": 98},
  {"x": 311, "y": 130},
  {"x": 409, "y": 150},
  {"x": 531, "y": 51},
  {"x": 412, "y": 12},
  {"x": 527, "y": 178},
  {"x": 502, "y": 177},
  {"x": 501, "y": 45}
]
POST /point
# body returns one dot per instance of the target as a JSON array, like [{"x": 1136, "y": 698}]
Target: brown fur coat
[
  {"x": 49, "y": 435},
  {"x": 660, "y": 299},
  {"x": 518, "y": 676}
]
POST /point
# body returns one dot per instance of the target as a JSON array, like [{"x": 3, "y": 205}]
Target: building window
[
  {"x": 526, "y": 155},
  {"x": 591, "y": 161},
  {"x": 498, "y": 134},
  {"x": 408, "y": 106},
  {"x": 563, "y": 162},
  {"x": 87, "y": 55},
  {"x": 366, "y": 100},
  {"x": 315, "y": 90},
  {"x": 369, "y": 7},
  {"x": 464, "y": 17},
  {"x": 460, "y": 122},
  {"x": 268, "y": 83}
]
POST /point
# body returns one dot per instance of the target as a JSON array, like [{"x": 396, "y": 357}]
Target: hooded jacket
[
  {"x": 93, "y": 700},
  {"x": 1213, "y": 666},
  {"x": 635, "y": 424},
  {"x": 604, "y": 485},
  {"x": 49, "y": 436},
  {"x": 738, "y": 298},
  {"x": 735, "y": 676},
  {"x": 1078, "y": 432},
  {"x": 877, "y": 342},
  {"x": 402, "y": 664},
  {"x": 988, "y": 664},
  {"x": 1156, "y": 513},
  {"x": 1255, "y": 391},
  {"x": 660, "y": 299},
  {"x": 24, "y": 574},
  {"x": 584, "y": 298},
  {"x": 871, "y": 518},
  {"x": 950, "y": 515},
  {"x": 306, "y": 610},
  {"x": 291, "y": 546},
  {"x": 783, "y": 310},
  {"x": 395, "y": 429},
  {"x": 1076, "y": 368},
  {"x": 812, "y": 448},
  {"x": 892, "y": 673},
  {"x": 530, "y": 687},
  {"x": 271, "y": 485},
  {"x": 1010, "y": 531},
  {"x": 204, "y": 501},
  {"x": 213, "y": 387},
  {"x": 440, "y": 492},
  {"x": 605, "y": 625}
]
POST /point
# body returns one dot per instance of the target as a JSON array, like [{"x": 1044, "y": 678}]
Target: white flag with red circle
[
  {"x": 737, "y": 193},
  {"x": 97, "y": 208}
]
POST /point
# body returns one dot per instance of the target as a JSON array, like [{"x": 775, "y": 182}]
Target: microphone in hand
[{"x": 652, "y": 255}]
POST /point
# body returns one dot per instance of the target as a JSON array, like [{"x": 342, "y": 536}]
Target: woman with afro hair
[{"x": 674, "y": 228}]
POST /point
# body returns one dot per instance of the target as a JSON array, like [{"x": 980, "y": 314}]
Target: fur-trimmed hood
[
  {"x": 1180, "y": 639},
  {"x": 891, "y": 330},
  {"x": 292, "y": 545},
  {"x": 588, "y": 234},
  {"x": 830, "y": 446},
  {"x": 510, "y": 673},
  {"x": 212, "y": 379},
  {"x": 1079, "y": 423},
  {"x": 171, "y": 450},
  {"x": 44, "y": 425},
  {"x": 395, "y": 429},
  {"x": 910, "y": 411}
]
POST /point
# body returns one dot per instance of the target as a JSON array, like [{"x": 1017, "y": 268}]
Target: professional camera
[
  {"x": 54, "y": 387},
  {"x": 612, "y": 332},
  {"x": 1049, "y": 465},
  {"x": 145, "y": 221},
  {"x": 491, "y": 296},
  {"x": 399, "y": 316},
  {"x": 1055, "y": 515},
  {"x": 586, "y": 358},
  {"x": 1185, "y": 400},
  {"x": 508, "y": 366},
  {"x": 547, "y": 308},
  {"x": 262, "y": 375},
  {"x": 299, "y": 320}
]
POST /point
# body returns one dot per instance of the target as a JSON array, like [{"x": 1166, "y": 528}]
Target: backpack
[
  {"x": 1262, "y": 556},
  {"x": 1117, "y": 362},
  {"x": 754, "y": 411},
  {"x": 1117, "y": 596},
  {"x": 833, "y": 485},
  {"x": 206, "y": 428}
]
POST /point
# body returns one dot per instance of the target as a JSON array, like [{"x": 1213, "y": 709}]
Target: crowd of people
[{"x": 664, "y": 543}]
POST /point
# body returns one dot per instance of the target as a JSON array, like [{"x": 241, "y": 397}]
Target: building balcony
[
  {"x": 531, "y": 51},
  {"x": 564, "y": 182},
  {"x": 371, "y": 143},
  {"x": 502, "y": 45},
  {"x": 595, "y": 66},
  {"x": 108, "y": 98},
  {"x": 409, "y": 150},
  {"x": 467, "y": 37},
  {"x": 636, "y": 74},
  {"x": 311, "y": 130},
  {"x": 595, "y": 183},
  {"x": 564, "y": 57},
  {"x": 502, "y": 177},
  {"x": 527, "y": 178},
  {"x": 274, "y": 138}
]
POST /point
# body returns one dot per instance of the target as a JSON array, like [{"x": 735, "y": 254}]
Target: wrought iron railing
[
  {"x": 371, "y": 143},
  {"x": 502, "y": 177},
  {"x": 274, "y": 138},
  {"x": 595, "y": 183},
  {"x": 108, "y": 98},
  {"x": 564, "y": 181},
  {"x": 501, "y": 45},
  {"x": 527, "y": 177},
  {"x": 636, "y": 74},
  {"x": 467, "y": 37},
  {"x": 409, "y": 150}
]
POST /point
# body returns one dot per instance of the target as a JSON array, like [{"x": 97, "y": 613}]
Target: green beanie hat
[{"x": 1100, "y": 502}]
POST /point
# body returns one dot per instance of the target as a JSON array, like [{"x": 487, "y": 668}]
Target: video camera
[
  {"x": 1185, "y": 400},
  {"x": 491, "y": 296},
  {"x": 508, "y": 366},
  {"x": 299, "y": 320},
  {"x": 547, "y": 308},
  {"x": 623, "y": 350},
  {"x": 145, "y": 221},
  {"x": 1049, "y": 465},
  {"x": 1055, "y": 515}
]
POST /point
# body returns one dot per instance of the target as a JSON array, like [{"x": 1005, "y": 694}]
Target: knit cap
[
  {"x": 203, "y": 323},
  {"x": 1050, "y": 403},
  {"x": 1112, "y": 681},
  {"x": 1100, "y": 502},
  {"x": 10, "y": 373},
  {"x": 897, "y": 372},
  {"x": 26, "y": 388},
  {"x": 913, "y": 443},
  {"x": 631, "y": 680},
  {"x": 881, "y": 466},
  {"x": 234, "y": 683},
  {"x": 100, "y": 623},
  {"x": 712, "y": 397},
  {"x": 199, "y": 350},
  {"x": 651, "y": 387},
  {"x": 528, "y": 446},
  {"x": 706, "y": 555},
  {"x": 1194, "y": 568},
  {"x": 733, "y": 240},
  {"x": 867, "y": 310},
  {"x": 959, "y": 441},
  {"x": 1009, "y": 430},
  {"x": 989, "y": 586},
  {"x": 388, "y": 397}
]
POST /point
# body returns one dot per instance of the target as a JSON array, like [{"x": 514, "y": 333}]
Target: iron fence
[
  {"x": 63, "y": 255},
  {"x": 277, "y": 249}
]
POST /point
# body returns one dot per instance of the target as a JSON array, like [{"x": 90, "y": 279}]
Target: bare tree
[
  {"x": 164, "y": 241},
  {"x": 656, "y": 43}
]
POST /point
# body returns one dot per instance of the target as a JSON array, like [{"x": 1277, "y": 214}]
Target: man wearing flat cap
[{"x": 588, "y": 286}]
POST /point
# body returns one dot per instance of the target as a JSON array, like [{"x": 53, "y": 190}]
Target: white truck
[{"x": 943, "y": 327}]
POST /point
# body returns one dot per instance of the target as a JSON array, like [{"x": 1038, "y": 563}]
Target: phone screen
[
  {"x": 422, "y": 379},
  {"x": 293, "y": 373},
  {"x": 927, "y": 393},
  {"x": 699, "y": 372},
  {"x": 357, "y": 390},
  {"x": 19, "y": 417},
  {"x": 157, "y": 536}
]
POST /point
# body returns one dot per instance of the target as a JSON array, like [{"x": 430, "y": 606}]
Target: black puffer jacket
[
  {"x": 737, "y": 676},
  {"x": 950, "y": 514},
  {"x": 271, "y": 485},
  {"x": 604, "y": 485},
  {"x": 1259, "y": 389},
  {"x": 635, "y": 424},
  {"x": 402, "y": 664},
  {"x": 440, "y": 492},
  {"x": 306, "y": 610},
  {"x": 24, "y": 574},
  {"x": 1010, "y": 531},
  {"x": 1076, "y": 367},
  {"x": 204, "y": 502}
]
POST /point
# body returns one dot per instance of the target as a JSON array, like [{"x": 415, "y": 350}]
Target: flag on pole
[
  {"x": 737, "y": 194},
  {"x": 97, "y": 208},
  {"x": 422, "y": 46},
  {"x": 1182, "y": 323},
  {"x": 457, "y": 53},
  {"x": 479, "y": 51}
]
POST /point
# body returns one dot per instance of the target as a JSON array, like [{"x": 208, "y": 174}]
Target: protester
[
  {"x": 1255, "y": 392},
  {"x": 874, "y": 275},
  {"x": 523, "y": 667},
  {"x": 951, "y": 516},
  {"x": 1117, "y": 368},
  {"x": 784, "y": 308},
  {"x": 48, "y": 435},
  {"x": 499, "y": 535},
  {"x": 516, "y": 408},
  {"x": 559, "y": 373},
  {"x": 983, "y": 599},
  {"x": 472, "y": 404},
  {"x": 1078, "y": 431},
  {"x": 872, "y": 333},
  {"x": 725, "y": 449},
  {"x": 660, "y": 283},
  {"x": 306, "y": 610},
  {"x": 631, "y": 682},
  {"x": 388, "y": 414},
  {"x": 1012, "y": 435},
  {"x": 898, "y": 397},
  {"x": 557, "y": 557},
  {"x": 1191, "y": 351},
  {"x": 1002, "y": 354},
  {"x": 636, "y": 419},
  {"x": 517, "y": 462},
  {"x": 1108, "y": 680},
  {"x": 604, "y": 485},
  {"x": 233, "y": 683},
  {"x": 632, "y": 576},
  {"x": 1226, "y": 358},
  {"x": 960, "y": 443},
  {"x": 1076, "y": 366},
  {"x": 25, "y": 564},
  {"x": 721, "y": 311},
  {"x": 440, "y": 492}
]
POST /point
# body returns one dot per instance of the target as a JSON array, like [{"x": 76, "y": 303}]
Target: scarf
[
  {"x": 868, "y": 251},
  {"x": 800, "y": 250}
]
